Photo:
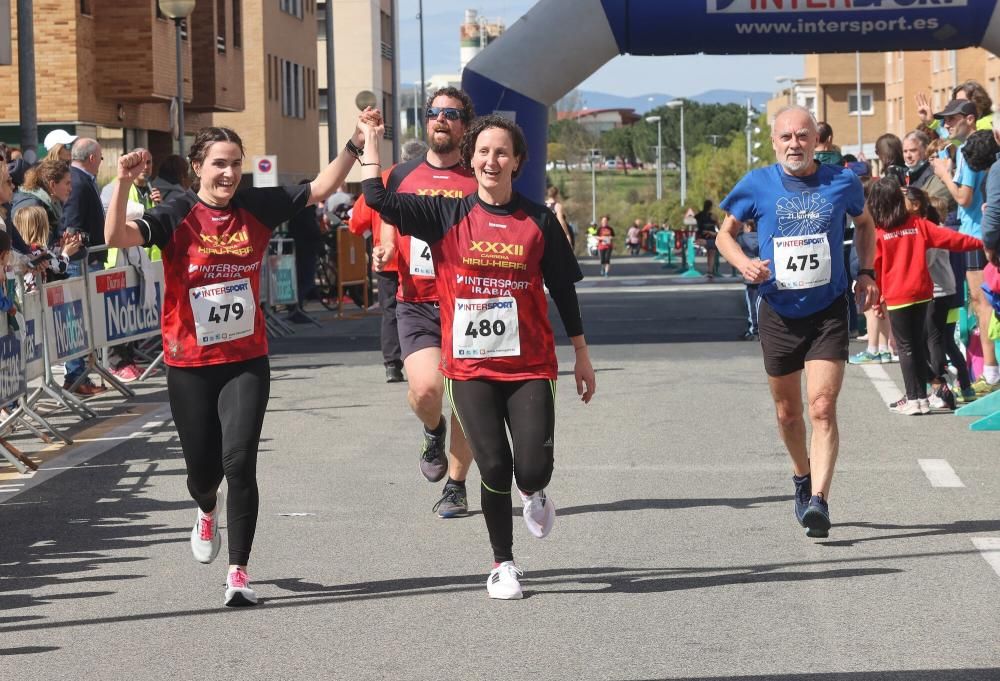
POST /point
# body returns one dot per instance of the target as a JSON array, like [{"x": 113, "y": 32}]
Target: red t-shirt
[
  {"x": 901, "y": 258},
  {"x": 492, "y": 263},
  {"x": 414, "y": 258},
  {"x": 211, "y": 271},
  {"x": 363, "y": 218},
  {"x": 605, "y": 235}
]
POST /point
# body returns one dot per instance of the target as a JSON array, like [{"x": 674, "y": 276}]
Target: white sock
[
  {"x": 991, "y": 373},
  {"x": 872, "y": 350}
]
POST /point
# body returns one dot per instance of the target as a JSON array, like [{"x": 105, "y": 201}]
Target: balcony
[{"x": 387, "y": 51}]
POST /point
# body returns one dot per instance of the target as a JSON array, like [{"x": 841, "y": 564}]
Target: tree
[
  {"x": 617, "y": 142},
  {"x": 574, "y": 138}
]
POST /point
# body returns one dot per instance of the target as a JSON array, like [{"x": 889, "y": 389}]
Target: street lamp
[
  {"x": 791, "y": 86},
  {"x": 679, "y": 104},
  {"x": 659, "y": 144},
  {"x": 178, "y": 10}
]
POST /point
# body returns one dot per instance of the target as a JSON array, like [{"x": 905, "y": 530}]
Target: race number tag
[
  {"x": 802, "y": 261},
  {"x": 222, "y": 312},
  {"x": 421, "y": 262},
  {"x": 485, "y": 327}
]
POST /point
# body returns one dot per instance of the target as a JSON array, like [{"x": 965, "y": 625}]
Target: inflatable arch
[{"x": 559, "y": 43}]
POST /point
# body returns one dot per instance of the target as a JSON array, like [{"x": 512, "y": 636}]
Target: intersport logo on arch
[{"x": 788, "y": 6}]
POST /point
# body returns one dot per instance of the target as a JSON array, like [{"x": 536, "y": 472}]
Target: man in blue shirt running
[{"x": 801, "y": 208}]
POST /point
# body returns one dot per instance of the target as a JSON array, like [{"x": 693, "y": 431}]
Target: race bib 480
[
  {"x": 485, "y": 327},
  {"x": 802, "y": 261},
  {"x": 222, "y": 312}
]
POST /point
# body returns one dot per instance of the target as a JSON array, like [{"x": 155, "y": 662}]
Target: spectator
[
  {"x": 920, "y": 174},
  {"x": 60, "y": 152},
  {"x": 172, "y": 179},
  {"x": 889, "y": 150},
  {"x": 826, "y": 150},
  {"x": 304, "y": 229},
  {"x": 971, "y": 91},
  {"x": 552, "y": 203},
  {"x": 632, "y": 237},
  {"x": 32, "y": 226},
  {"x": 83, "y": 211},
  {"x": 48, "y": 185},
  {"x": 959, "y": 120},
  {"x": 991, "y": 214},
  {"x": 708, "y": 228}
]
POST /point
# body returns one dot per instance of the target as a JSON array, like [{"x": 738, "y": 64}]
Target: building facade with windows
[
  {"x": 281, "y": 88},
  {"x": 107, "y": 69},
  {"x": 364, "y": 62},
  {"x": 829, "y": 89}
]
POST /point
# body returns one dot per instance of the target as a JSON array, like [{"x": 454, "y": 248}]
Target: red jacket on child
[{"x": 901, "y": 258}]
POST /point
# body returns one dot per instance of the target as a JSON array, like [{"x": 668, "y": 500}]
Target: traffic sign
[{"x": 265, "y": 171}]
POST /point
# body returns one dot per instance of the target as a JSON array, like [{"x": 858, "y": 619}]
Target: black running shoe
[
  {"x": 433, "y": 460},
  {"x": 453, "y": 502},
  {"x": 817, "y": 518},
  {"x": 393, "y": 374}
]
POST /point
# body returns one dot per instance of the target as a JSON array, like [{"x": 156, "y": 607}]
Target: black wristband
[
  {"x": 353, "y": 149},
  {"x": 870, "y": 273}
]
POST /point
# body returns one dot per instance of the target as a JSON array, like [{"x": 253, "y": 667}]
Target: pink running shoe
[{"x": 238, "y": 591}]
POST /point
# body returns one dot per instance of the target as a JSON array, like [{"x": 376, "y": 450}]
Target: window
[
  {"x": 322, "y": 106},
  {"x": 270, "y": 80},
  {"x": 85, "y": 8},
  {"x": 237, "y": 23},
  {"x": 321, "y": 20},
  {"x": 220, "y": 26},
  {"x": 867, "y": 103},
  {"x": 293, "y": 7},
  {"x": 292, "y": 90}
]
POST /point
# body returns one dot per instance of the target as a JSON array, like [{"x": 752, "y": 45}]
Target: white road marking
[
  {"x": 940, "y": 473},
  {"x": 880, "y": 379},
  {"x": 990, "y": 548}
]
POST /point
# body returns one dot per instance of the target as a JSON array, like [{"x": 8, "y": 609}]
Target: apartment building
[
  {"x": 365, "y": 66},
  {"x": 107, "y": 69},
  {"x": 829, "y": 89},
  {"x": 281, "y": 87}
]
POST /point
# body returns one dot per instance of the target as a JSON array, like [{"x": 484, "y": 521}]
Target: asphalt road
[{"x": 675, "y": 554}]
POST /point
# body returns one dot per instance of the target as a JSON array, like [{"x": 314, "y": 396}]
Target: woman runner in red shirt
[
  {"x": 214, "y": 340},
  {"x": 494, "y": 251}
]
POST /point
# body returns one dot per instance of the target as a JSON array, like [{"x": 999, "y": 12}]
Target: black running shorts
[
  {"x": 605, "y": 256},
  {"x": 419, "y": 326},
  {"x": 788, "y": 343}
]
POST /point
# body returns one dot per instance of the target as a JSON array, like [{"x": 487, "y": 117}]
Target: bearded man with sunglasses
[{"x": 439, "y": 172}]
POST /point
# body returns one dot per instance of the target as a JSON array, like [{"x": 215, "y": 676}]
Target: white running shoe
[
  {"x": 502, "y": 582},
  {"x": 205, "y": 539},
  {"x": 238, "y": 591},
  {"x": 935, "y": 402},
  {"x": 907, "y": 407},
  {"x": 539, "y": 513},
  {"x": 924, "y": 405}
]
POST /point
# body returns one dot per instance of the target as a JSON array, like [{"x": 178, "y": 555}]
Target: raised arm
[
  {"x": 331, "y": 177},
  {"x": 425, "y": 217},
  {"x": 118, "y": 231}
]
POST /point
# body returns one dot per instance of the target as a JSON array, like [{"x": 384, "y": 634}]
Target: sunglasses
[{"x": 450, "y": 113}]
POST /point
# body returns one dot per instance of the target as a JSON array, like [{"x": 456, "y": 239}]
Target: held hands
[
  {"x": 756, "y": 271},
  {"x": 370, "y": 125},
  {"x": 586, "y": 381},
  {"x": 131, "y": 165}
]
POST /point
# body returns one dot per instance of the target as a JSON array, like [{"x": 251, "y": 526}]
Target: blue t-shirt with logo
[
  {"x": 970, "y": 218},
  {"x": 787, "y": 206}
]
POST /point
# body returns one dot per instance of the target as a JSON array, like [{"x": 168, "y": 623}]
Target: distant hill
[{"x": 643, "y": 103}]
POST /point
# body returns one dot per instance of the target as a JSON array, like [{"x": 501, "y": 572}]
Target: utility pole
[
  {"x": 331, "y": 87},
  {"x": 423, "y": 79},
  {"x": 27, "y": 102}
]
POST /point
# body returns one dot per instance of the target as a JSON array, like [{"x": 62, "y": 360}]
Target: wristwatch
[{"x": 870, "y": 273}]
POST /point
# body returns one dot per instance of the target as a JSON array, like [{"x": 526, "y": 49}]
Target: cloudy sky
[{"x": 628, "y": 76}]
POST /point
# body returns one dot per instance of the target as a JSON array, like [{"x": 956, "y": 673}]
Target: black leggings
[
  {"x": 908, "y": 324},
  {"x": 486, "y": 409},
  {"x": 219, "y": 412},
  {"x": 936, "y": 327}
]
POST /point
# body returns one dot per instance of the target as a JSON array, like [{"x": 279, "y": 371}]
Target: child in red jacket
[{"x": 901, "y": 272}]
